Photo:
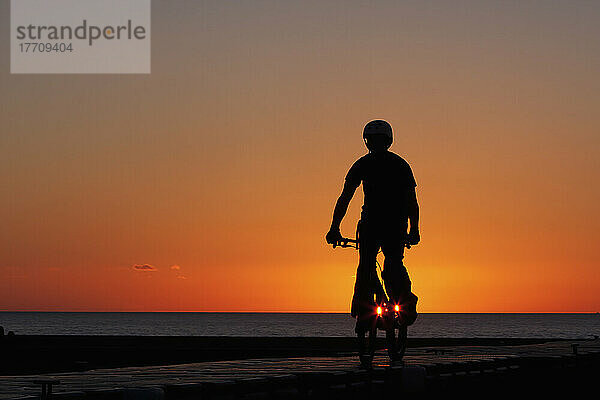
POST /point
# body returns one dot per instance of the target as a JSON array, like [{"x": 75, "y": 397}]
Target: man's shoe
[{"x": 395, "y": 356}]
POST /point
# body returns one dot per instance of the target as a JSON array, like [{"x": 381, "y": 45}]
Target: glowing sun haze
[{"x": 209, "y": 184}]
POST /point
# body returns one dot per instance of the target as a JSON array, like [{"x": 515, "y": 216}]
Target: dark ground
[
  {"x": 40, "y": 354},
  {"x": 457, "y": 368}
]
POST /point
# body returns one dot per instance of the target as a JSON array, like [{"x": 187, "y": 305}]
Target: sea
[{"x": 570, "y": 326}]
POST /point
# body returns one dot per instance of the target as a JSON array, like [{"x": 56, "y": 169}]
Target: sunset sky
[{"x": 209, "y": 184}]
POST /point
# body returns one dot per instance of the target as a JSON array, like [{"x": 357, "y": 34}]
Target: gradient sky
[{"x": 220, "y": 169}]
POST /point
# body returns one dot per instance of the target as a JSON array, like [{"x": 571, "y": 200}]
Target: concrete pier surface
[
  {"x": 35, "y": 354},
  {"x": 539, "y": 368}
]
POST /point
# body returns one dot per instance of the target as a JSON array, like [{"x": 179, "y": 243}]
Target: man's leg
[
  {"x": 398, "y": 288},
  {"x": 397, "y": 281},
  {"x": 364, "y": 289},
  {"x": 395, "y": 277},
  {"x": 362, "y": 302}
]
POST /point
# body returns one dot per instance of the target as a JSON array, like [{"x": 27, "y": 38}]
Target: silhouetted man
[{"x": 390, "y": 201}]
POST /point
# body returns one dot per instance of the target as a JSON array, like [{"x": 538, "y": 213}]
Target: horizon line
[{"x": 298, "y": 312}]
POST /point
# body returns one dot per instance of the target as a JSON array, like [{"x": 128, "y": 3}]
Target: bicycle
[{"x": 388, "y": 316}]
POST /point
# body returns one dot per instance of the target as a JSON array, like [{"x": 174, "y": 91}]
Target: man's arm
[
  {"x": 413, "y": 215},
  {"x": 341, "y": 206}
]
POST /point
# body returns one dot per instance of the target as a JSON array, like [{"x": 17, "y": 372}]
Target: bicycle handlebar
[{"x": 346, "y": 242}]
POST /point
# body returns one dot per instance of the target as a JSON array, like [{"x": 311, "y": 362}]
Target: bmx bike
[{"x": 385, "y": 314}]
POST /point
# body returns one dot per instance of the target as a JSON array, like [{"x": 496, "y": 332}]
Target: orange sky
[{"x": 226, "y": 161}]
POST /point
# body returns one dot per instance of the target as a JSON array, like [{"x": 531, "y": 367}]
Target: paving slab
[{"x": 453, "y": 357}]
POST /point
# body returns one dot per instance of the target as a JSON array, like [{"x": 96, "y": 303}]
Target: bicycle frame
[{"x": 383, "y": 309}]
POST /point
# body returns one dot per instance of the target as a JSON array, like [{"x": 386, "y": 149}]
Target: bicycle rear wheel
[{"x": 401, "y": 341}]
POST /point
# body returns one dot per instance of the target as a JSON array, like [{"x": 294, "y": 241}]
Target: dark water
[{"x": 273, "y": 324}]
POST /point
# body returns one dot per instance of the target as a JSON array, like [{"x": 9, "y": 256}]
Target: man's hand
[
  {"x": 333, "y": 236},
  {"x": 414, "y": 237}
]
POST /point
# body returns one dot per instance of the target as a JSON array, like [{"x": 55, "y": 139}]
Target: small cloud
[
  {"x": 181, "y": 277},
  {"x": 144, "y": 267},
  {"x": 175, "y": 267}
]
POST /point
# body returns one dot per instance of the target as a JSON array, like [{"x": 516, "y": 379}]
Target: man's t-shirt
[{"x": 386, "y": 180}]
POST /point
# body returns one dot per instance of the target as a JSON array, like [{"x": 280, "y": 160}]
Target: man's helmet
[{"x": 378, "y": 135}]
